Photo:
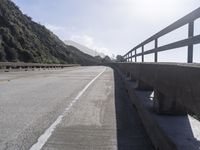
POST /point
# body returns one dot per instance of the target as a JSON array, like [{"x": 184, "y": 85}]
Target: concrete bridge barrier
[
  {"x": 176, "y": 86},
  {"x": 173, "y": 88},
  {"x": 165, "y": 114}
]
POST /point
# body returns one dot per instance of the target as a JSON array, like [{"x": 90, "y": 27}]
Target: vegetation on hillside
[
  {"x": 120, "y": 58},
  {"x": 24, "y": 40}
]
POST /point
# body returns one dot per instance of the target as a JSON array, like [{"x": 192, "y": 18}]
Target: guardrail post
[
  {"x": 190, "y": 47},
  {"x": 156, "y": 53},
  {"x": 142, "y": 53},
  {"x": 135, "y": 55},
  {"x": 131, "y": 56},
  {"x": 140, "y": 85},
  {"x": 164, "y": 104}
]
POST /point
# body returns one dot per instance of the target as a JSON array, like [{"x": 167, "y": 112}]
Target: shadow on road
[{"x": 130, "y": 131}]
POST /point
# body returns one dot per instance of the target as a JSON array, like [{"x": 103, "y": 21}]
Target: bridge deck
[{"x": 100, "y": 117}]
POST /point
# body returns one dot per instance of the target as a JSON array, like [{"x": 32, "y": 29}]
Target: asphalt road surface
[{"x": 80, "y": 108}]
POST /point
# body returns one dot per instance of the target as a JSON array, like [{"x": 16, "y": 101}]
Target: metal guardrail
[
  {"x": 189, "y": 42},
  {"x": 20, "y": 65}
]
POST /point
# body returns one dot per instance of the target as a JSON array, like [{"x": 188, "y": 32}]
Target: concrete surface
[
  {"x": 167, "y": 132},
  {"x": 177, "y": 84},
  {"x": 103, "y": 118}
]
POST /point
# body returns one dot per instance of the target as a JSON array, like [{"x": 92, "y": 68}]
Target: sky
[{"x": 112, "y": 26}]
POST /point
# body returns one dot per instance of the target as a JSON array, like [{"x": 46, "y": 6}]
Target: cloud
[
  {"x": 55, "y": 28},
  {"x": 84, "y": 40},
  {"x": 88, "y": 41}
]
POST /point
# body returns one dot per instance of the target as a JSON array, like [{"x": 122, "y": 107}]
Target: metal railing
[{"x": 189, "y": 42}]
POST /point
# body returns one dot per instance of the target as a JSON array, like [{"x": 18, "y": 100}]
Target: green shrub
[
  {"x": 11, "y": 54},
  {"x": 26, "y": 56},
  {"x": 2, "y": 54}
]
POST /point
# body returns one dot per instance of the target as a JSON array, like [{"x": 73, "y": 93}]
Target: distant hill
[
  {"x": 84, "y": 48},
  {"x": 24, "y": 40}
]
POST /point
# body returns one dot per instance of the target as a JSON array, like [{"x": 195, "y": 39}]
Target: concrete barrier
[
  {"x": 176, "y": 86},
  {"x": 167, "y": 132}
]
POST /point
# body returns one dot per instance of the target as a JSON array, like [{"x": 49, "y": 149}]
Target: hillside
[
  {"x": 24, "y": 40},
  {"x": 84, "y": 49}
]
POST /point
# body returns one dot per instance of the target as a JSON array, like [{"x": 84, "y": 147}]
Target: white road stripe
[{"x": 45, "y": 136}]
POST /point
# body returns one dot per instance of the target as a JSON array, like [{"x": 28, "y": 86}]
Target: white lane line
[{"x": 45, "y": 136}]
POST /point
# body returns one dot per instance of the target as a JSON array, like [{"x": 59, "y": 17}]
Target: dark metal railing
[{"x": 189, "y": 42}]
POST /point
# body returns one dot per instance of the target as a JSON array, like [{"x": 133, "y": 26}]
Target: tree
[
  {"x": 2, "y": 53},
  {"x": 98, "y": 58},
  {"x": 11, "y": 54},
  {"x": 106, "y": 59},
  {"x": 120, "y": 58}
]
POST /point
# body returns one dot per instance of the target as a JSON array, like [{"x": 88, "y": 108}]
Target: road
[{"x": 80, "y": 108}]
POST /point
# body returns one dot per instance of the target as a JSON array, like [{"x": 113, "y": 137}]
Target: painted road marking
[{"x": 45, "y": 136}]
